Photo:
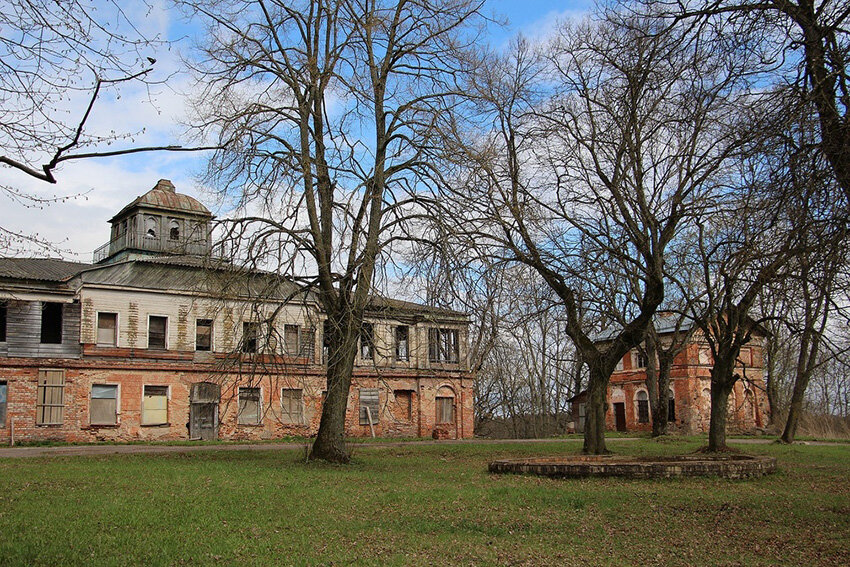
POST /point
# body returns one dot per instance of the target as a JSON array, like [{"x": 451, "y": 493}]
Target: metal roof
[
  {"x": 42, "y": 269},
  {"x": 164, "y": 197}
]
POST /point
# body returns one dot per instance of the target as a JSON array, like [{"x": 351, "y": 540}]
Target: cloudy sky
[{"x": 100, "y": 188}]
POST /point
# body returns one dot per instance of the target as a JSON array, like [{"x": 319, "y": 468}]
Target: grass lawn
[{"x": 432, "y": 505}]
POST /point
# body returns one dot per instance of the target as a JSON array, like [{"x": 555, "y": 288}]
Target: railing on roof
[{"x": 192, "y": 244}]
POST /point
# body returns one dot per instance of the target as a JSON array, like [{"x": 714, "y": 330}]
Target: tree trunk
[
  {"x": 808, "y": 353},
  {"x": 661, "y": 412},
  {"x": 594, "y": 425},
  {"x": 722, "y": 382},
  {"x": 330, "y": 439}
]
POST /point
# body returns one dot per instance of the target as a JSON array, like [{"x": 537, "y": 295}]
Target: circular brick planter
[{"x": 579, "y": 466}]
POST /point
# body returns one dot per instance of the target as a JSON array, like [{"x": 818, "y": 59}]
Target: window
[
  {"x": 368, "y": 401},
  {"x": 445, "y": 410},
  {"x": 290, "y": 340},
  {"x": 250, "y": 332},
  {"x": 107, "y": 324},
  {"x": 104, "y": 405},
  {"x": 2, "y": 322},
  {"x": 50, "y": 397},
  {"x": 745, "y": 357},
  {"x": 157, "y": 328},
  {"x": 51, "y": 323},
  {"x": 174, "y": 229},
  {"x": 151, "y": 226},
  {"x": 203, "y": 334},
  {"x": 403, "y": 405},
  {"x": 640, "y": 360},
  {"x": 671, "y": 407},
  {"x": 643, "y": 407},
  {"x": 291, "y": 405},
  {"x": 249, "y": 406},
  {"x": 3, "y": 396},
  {"x": 367, "y": 341},
  {"x": 402, "y": 334},
  {"x": 443, "y": 345}
]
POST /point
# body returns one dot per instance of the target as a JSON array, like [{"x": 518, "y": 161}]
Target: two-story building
[
  {"x": 154, "y": 340},
  {"x": 689, "y": 395}
]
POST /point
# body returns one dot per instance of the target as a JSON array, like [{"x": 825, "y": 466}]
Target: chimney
[{"x": 165, "y": 185}]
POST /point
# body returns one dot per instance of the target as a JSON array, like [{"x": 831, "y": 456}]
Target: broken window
[
  {"x": 51, "y": 323},
  {"x": 402, "y": 334},
  {"x": 643, "y": 407},
  {"x": 403, "y": 405},
  {"x": 250, "y": 335},
  {"x": 443, "y": 345},
  {"x": 157, "y": 329},
  {"x": 104, "y": 404},
  {"x": 249, "y": 406},
  {"x": 367, "y": 341},
  {"x": 290, "y": 340},
  {"x": 639, "y": 359},
  {"x": 3, "y": 394},
  {"x": 368, "y": 405},
  {"x": 107, "y": 324},
  {"x": 445, "y": 410},
  {"x": 50, "y": 397},
  {"x": 2, "y": 322},
  {"x": 308, "y": 343},
  {"x": 151, "y": 226},
  {"x": 155, "y": 405},
  {"x": 203, "y": 334},
  {"x": 291, "y": 405},
  {"x": 173, "y": 229}
]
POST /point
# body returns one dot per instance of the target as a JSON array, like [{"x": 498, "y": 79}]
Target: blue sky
[{"x": 104, "y": 186}]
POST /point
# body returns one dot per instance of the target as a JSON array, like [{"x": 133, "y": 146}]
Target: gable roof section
[{"x": 40, "y": 269}]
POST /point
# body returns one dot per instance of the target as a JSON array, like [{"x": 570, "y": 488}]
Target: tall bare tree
[
  {"x": 329, "y": 104},
  {"x": 586, "y": 160}
]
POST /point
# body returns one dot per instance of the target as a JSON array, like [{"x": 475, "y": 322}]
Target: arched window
[
  {"x": 643, "y": 407},
  {"x": 150, "y": 227},
  {"x": 174, "y": 230}
]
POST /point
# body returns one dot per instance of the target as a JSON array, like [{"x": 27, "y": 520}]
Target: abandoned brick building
[
  {"x": 689, "y": 397},
  {"x": 151, "y": 342}
]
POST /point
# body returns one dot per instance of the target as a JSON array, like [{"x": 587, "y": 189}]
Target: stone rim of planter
[{"x": 725, "y": 465}]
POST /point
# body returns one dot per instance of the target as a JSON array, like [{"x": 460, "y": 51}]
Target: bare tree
[
  {"x": 328, "y": 104},
  {"x": 595, "y": 174},
  {"x": 58, "y": 61}
]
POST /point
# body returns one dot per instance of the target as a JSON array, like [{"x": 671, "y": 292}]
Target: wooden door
[
  {"x": 620, "y": 415},
  {"x": 203, "y": 411}
]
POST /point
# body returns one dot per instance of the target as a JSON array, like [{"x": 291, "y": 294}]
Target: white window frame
[
  {"x": 117, "y": 326},
  {"x": 167, "y": 405},
  {"x": 259, "y": 406},
  {"x": 300, "y": 420}
]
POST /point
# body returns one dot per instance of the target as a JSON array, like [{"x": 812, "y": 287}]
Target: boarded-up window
[
  {"x": 705, "y": 355},
  {"x": 746, "y": 357},
  {"x": 290, "y": 340},
  {"x": 107, "y": 324},
  {"x": 643, "y": 407},
  {"x": 51, "y": 323},
  {"x": 157, "y": 328},
  {"x": 249, "y": 406},
  {"x": 104, "y": 404},
  {"x": 250, "y": 334},
  {"x": 3, "y": 395},
  {"x": 367, "y": 341},
  {"x": 50, "y": 397},
  {"x": 403, "y": 405},
  {"x": 155, "y": 405},
  {"x": 291, "y": 405},
  {"x": 2, "y": 322},
  {"x": 368, "y": 399},
  {"x": 308, "y": 343},
  {"x": 445, "y": 410},
  {"x": 402, "y": 341},
  {"x": 203, "y": 334},
  {"x": 443, "y": 345}
]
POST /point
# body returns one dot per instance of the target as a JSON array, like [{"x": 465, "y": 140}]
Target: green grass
[{"x": 417, "y": 505}]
